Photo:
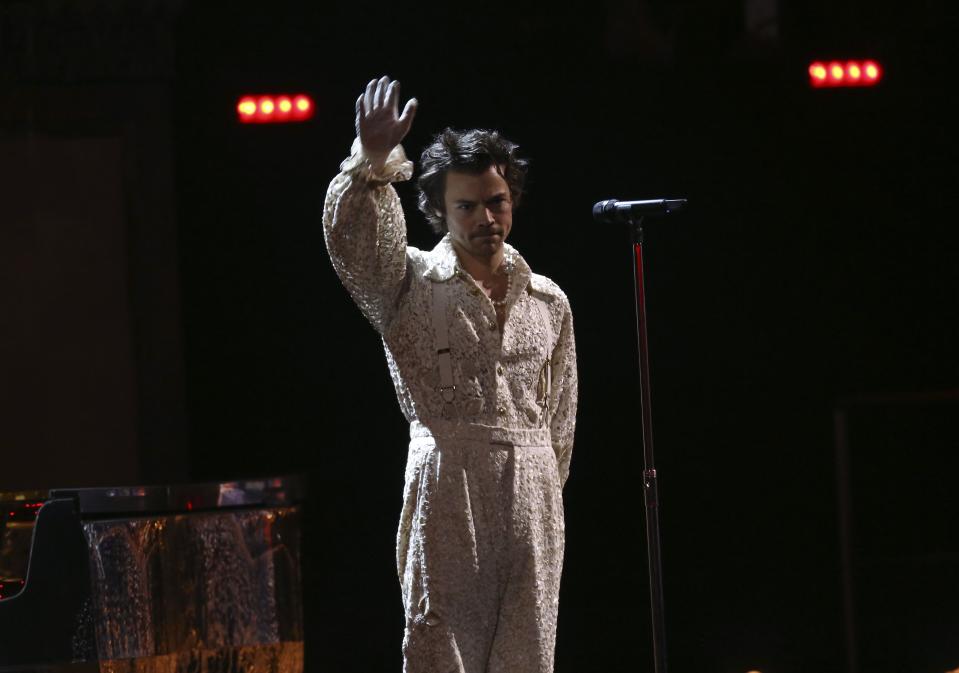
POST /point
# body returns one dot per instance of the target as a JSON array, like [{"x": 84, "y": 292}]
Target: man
[{"x": 482, "y": 356}]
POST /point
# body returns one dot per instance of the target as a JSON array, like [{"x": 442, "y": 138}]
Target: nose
[{"x": 488, "y": 218}]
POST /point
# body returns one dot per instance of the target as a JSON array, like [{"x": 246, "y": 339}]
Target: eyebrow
[{"x": 497, "y": 195}]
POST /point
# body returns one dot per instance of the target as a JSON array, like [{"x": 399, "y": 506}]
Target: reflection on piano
[{"x": 202, "y": 578}]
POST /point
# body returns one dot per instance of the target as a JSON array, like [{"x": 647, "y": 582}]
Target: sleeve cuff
[{"x": 397, "y": 168}]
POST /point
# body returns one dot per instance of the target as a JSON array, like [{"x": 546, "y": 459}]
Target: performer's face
[{"x": 479, "y": 211}]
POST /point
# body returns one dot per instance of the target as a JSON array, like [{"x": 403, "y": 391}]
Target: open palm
[{"x": 378, "y": 122}]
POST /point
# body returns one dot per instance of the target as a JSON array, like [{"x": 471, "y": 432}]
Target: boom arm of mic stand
[{"x": 650, "y": 487}]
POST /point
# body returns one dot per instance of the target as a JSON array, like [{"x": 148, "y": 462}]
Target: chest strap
[
  {"x": 441, "y": 340},
  {"x": 550, "y": 345}
]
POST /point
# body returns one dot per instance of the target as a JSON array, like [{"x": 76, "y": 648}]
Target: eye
[{"x": 464, "y": 206}]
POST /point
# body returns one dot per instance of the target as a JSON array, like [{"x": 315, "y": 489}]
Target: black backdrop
[{"x": 816, "y": 261}]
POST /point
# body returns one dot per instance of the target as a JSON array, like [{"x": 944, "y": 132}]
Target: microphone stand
[{"x": 650, "y": 489}]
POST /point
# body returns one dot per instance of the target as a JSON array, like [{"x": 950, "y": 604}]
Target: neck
[{"x": 480, "y": 268}]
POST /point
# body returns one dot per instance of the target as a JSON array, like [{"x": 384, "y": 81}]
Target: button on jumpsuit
[{"x": 481, "y": 533}]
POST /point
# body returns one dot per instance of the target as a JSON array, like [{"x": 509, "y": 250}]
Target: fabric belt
[{"x": 476, "y": 432}]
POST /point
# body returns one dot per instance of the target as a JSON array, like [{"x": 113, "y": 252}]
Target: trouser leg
[
  {"x": 451, "y": 539},
  {"x": 525, "y": 636}
]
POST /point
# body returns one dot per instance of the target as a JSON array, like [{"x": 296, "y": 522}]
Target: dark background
[{"x": 814, "y": 273}]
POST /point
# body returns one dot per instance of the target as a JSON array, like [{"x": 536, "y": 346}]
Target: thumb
[{"x": 409, "y": 111}]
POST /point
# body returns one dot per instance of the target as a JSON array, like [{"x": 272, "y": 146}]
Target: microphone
[{"x": 612, "y": 210}]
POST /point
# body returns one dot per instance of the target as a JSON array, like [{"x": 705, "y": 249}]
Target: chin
[{"x": 490, "y": 248}]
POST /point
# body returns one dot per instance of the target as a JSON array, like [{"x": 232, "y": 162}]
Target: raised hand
[{"x": 379, "y": 125}]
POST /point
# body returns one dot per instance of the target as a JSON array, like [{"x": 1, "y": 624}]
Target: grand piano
[{"x": 202, "y": 578}]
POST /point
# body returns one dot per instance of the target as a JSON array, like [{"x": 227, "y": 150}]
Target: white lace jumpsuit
[{"x": 481, "y": 534}]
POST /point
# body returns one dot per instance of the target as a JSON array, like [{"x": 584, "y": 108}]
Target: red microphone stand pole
[{"x": 650, "y": 490}]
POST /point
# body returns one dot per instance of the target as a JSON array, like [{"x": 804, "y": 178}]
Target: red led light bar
[
  {"x": 832, "y": 74},
  {"x": 278, "y": 109}
]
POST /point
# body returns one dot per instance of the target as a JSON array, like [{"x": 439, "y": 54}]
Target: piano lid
[{"x": 269, "y": 492}]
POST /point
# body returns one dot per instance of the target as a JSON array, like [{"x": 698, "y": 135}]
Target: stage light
[
  {"x": 246, "y": 108},
  {"x": 272, "y": 109},
  {"x": 844, "y": 74},
  {"x": 283, "y": 108},
  {"x": 817, "y": 71},
  {"x": 836, "y": 72},
  {"x": 302, "y": 107}
]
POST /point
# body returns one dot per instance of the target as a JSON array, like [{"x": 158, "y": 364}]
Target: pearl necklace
[{"x": 501, "y": 303}]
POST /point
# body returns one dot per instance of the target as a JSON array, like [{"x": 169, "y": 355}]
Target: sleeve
[
  {"x": 563, "y": 398},
  {"x": 365, "y": 232}
]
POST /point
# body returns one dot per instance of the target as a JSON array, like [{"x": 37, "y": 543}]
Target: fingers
[
  {"x": 380, "y": 96},
  {"x": 359, "y": 113},
  {"x": 368, "y": 97},
  {"x": 392, "y": 97},
  {"x": 376, "y": 111}
]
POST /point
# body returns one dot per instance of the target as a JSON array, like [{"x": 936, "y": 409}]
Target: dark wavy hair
[{"x": 470, "y": 152}]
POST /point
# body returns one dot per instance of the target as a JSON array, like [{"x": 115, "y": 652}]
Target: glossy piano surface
[{"x": 202, "y": 578}]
